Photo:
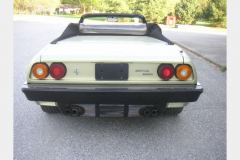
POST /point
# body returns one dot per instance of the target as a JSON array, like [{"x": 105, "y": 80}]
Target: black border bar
[{"x": 113, "y": 95}]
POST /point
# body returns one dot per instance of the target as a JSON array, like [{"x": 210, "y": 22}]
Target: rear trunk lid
[
  {"x": 111, "y": 49},
  {"x": 111, "y": 60}
]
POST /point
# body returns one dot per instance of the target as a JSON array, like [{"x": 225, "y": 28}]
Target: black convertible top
[{"x": 153, "y": 30}]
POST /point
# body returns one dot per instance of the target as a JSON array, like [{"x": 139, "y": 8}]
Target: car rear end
[{"x": 112, "y": 75}]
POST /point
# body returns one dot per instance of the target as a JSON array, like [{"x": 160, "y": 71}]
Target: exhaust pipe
[
  {"x": 75, "y": 112},
  {"x": 68, "y": 111},
  {"x": 149, "y": 112},
  {"x": 146, "y": 112},
  {"x": 154, "y": 112}
]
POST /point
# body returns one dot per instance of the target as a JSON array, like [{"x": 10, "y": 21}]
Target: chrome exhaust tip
[
  {"x": 146, "y": 112},
  {"x": 149, "y": 112},
  {"x": 75, "y": 112},
  {"x": 68, "y": 111},
  {"x": 154, "y": 112}
]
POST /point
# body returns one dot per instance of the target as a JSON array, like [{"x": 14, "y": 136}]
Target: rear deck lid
[{"x": 111, "y": 49}]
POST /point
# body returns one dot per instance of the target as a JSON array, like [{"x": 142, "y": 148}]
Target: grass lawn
[
  {"x": 79, "y": 16},
  {"x": 88, "y": 18},
  {"x": 69, "y": 16},
  {"x": 199, "y": 26},
  {"x": 203, "y": 23}
]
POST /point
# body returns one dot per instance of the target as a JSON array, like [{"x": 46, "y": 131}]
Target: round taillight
[
  {"x": 183, "y": 72},
  {"x": 166, "y": 71},
  {"x": 57, "y": 70},
  {"x": 40, "y": 70}
]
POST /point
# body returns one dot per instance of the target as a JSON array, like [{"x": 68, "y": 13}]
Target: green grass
[
  {"x": 203, "y": 23},
  {"x": 69, "y": 16},
  {"x": 224, "y": 68},
  {"x": 199, "y": 26},
  {"x": 79, "y": 16}
]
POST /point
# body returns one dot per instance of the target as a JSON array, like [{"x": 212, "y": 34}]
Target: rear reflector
[
  {"x": 166, "y": 72},
  {"x": 40, "y": 70},
  {"x": 183, "y": 72},
  {"x": 57, "y": 70}
]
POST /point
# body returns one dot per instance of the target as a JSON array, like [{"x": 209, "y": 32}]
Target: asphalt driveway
[
  {"x": 211, "y": 45},
  {"x": 199, "y": 132}
]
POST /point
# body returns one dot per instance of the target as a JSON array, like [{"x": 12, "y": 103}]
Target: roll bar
[{"x": 112, "y": 15}]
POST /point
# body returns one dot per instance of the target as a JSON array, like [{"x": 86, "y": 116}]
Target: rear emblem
[{"x": 76, "y": 71}]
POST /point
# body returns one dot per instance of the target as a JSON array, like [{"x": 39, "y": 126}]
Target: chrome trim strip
[{"x": 128, "y": 87}]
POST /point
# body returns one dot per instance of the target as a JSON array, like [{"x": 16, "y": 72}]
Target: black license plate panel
[{"x": 111, "y": 71}]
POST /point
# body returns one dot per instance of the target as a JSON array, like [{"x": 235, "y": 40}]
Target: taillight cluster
[
  {"x": 56, "y": 70},
  {"x": 167, "y": 71}
]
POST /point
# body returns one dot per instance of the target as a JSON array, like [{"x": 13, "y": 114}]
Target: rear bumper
[{"x": 112, "y": 94}]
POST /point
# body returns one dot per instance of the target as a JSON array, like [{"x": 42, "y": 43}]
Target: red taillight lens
[
  {"x": 57, "y": 70},
  {"x": 166, "y": 71}
]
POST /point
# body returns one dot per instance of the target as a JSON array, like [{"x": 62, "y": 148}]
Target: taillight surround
[
  {"x": 166, "y": 71},
  {"x": 40, "y": 70},
  {"x": 183, "y": 72},
  {"x": 57, "y": 70}
]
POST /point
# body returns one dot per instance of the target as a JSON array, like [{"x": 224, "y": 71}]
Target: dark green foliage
[
  {"x": 186, "y": 11},
  {"x": 117, "y": 6},
  {"x": 72, "y": 12},
  {"x": 73, "y": 2},
  {"x": 216, "y": 13},
  {"x": 153, "y": 10},
  {"x": 224, "y": 69},
  {"x": 156, "y": 11}
]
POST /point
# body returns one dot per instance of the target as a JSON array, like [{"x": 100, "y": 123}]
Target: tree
[
  {"x": 156, "y": 11},
  {"x": 216, "y": 13},
  {"x": 102, "y": 6},
  {"x": 86, "y": 4},
  {"x": 35, "y": 5},
  {"x": 117, "y": 6},
  {"x": 186, "y": 11}
]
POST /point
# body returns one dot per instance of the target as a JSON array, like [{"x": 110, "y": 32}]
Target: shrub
[
  {"x": 215, "y": 12},
  {"x": 186, "y": 11},
  {"x": 48, "y": 12},
  {"x": 155, "y": 10},
  {"x": 72, "y": 12}
]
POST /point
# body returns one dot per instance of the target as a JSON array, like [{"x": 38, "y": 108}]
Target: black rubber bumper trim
[
  {"x": 126, "y": 110},
  {"x": 112, "y": 96},
  {"x": 97, "y": 110}
]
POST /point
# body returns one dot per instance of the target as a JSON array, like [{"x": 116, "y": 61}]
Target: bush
[
  {"x": 40, "y": 12},
  {"x": 215, "y": 12},
  {"x": 72, "y": 12},
  {"x": 48, "y": 12},
  {"x": 156, "y": 10},
  {"x": 186, "y": 11}
]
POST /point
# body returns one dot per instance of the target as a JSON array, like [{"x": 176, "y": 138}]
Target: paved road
[
  {"x": 208, "y": 45},
  {"x": 199, "y": 132}
]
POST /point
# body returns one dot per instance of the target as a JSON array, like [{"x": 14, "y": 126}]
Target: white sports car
[{"x": 112, "y": 65}]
